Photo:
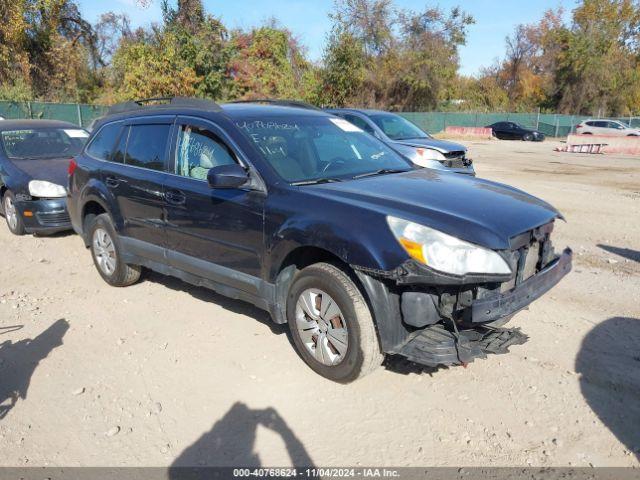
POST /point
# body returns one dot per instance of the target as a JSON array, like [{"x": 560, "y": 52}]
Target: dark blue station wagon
[{"x": 300, "y": 213}]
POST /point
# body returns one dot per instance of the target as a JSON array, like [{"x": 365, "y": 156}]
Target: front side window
[
  {"x": 199, "y": 150},
  {"x": 147, "y": 145},
  {"x": 309, "y": 148},
  {"x": 397, "y": 128},
  {"x": 41, "y": 143},
  {"x": 103, "y": 141}
]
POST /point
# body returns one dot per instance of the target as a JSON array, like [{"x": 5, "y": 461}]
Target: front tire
[
  {"x": 331, "y": 324},
  {"x": 11, "y": 214},
  {"x": 107, "y": 254},
  {"x": 527, "y": 137}
]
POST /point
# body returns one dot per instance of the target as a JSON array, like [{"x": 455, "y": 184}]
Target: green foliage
[
  {"x": 344, "y": 72},
  {"x": 266, "y": 63},
  {"x": 377, "y": 55}
]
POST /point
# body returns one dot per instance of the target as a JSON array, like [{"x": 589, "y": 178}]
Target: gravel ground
[{"x": 162, "y": 373}]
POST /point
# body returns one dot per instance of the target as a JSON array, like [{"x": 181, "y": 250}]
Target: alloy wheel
[
  {"x": 10, "y": 212},
  {"x": 105, "y": 251}
]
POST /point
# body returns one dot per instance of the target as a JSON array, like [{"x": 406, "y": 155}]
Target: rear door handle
[{"x": 175, "y": 197}]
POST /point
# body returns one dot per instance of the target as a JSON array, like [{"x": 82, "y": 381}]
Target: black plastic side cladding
[{"x": 385, "y": 305}]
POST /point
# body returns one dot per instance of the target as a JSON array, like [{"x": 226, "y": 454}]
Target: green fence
[
  {"x": 77, "y": 113},
  {"x": 552, "y": 125}
]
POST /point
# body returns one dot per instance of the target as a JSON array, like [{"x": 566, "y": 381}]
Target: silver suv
[
  {"x": 409, "y": 140},
  {"x": 606, "y": 127}
]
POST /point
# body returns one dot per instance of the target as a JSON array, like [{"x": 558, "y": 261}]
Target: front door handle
[
  {"x": 113, "y": 182},
  {"x": 175, "y": 197}
]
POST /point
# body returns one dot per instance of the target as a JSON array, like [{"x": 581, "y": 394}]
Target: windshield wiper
[
  {"x": 382, "y": 171},
  {"x": 316, "y": 181}
]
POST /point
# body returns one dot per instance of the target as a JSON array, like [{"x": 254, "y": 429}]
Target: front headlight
[
  {"x": 443, "y": 252},
  {"x": 429, "y": 154},
  {"x": 40, "y": 188}
]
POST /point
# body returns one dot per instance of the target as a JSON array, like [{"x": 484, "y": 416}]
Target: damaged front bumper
[
  {"x": 494, "y": 308},
  {"x": 435, "y": 345},
  {"x": 412, "y": 319}
]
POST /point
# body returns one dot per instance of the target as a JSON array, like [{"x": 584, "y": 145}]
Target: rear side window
[
  {"x": 103, "y": 142},
  {"x": 147, "y": 146}
]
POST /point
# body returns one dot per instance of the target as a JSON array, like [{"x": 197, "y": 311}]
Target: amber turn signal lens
[
  {"x": 414, "y": 249},
  {"x": 27, "y": 213}
]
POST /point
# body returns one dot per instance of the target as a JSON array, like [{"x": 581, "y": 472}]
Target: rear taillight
[
  {"x": 72, "y": 167},
  {"x": 579, "y": 126}
]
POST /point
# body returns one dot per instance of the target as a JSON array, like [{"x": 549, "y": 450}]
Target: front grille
[
  {"x": 457, "y": 163},
  {"x": 53, "y": 219},
  {"x": 529, "y": 260},
  {"x": 454, "y": 154},
  {"x": 456, "y": 159}
]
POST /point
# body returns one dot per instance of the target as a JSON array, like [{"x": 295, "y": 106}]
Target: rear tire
[
  {"x": 322, "y": 303},
  {"x": 107, "y": 253},
  {"x": 11, "y": 214}
]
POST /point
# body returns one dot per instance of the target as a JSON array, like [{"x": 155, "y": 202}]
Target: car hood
[
  {"x": 479, "y": 211},
  {"x": 50, "y": 169},
  {"x": 443, "y": 146}
]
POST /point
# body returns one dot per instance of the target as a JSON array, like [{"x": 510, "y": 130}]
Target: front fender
[{"x": 360, "y": 242}]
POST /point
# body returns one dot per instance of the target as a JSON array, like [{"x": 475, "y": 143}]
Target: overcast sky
[{"x": 308, "y": 20}]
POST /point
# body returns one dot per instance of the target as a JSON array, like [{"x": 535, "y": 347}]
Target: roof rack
[
  {"x": 281, "y": 103},
  {"x": 159, "y": 102}
]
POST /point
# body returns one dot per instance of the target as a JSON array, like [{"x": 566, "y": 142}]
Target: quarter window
[
  {"x": 147, "y": 145},
  {"x": 199, "y": 150},
  {"x": 102, "y": 144}
]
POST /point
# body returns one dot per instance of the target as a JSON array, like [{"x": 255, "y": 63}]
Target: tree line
[{"x": 376, "y": 55}]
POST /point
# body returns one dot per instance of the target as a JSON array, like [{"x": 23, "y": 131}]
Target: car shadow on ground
[
  {"x": 623, "y": 252},
  {"x": 18, "y": 361},
  {"x": 206, "y": 295},
  {"x": 609, "y": 364},
  {"x": 231, "y": 442},
  {"x": 63, "y": 234}
]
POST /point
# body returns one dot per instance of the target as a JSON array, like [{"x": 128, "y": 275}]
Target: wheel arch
[{"x": 92, "y": 206}]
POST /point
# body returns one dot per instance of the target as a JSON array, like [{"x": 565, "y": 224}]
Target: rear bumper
[
  {"x": 44, "y": 216},
  {"x": 495, "y": 308}
]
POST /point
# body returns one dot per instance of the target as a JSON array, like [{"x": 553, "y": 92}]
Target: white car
[{"x": 606, "y": 127}]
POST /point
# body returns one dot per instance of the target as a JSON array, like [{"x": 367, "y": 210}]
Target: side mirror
[{"x": 227, "y": 176}]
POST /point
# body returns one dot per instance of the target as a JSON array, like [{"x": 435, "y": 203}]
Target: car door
[
  {"x": 514, "y": 132},
  {"x": 135, "y": 178},
  {"x": 500, "y": 130},
  {"x": 616, "y": 128},
  {"x": 211, "y": 232},
  {"x": 602, "y": 128}
]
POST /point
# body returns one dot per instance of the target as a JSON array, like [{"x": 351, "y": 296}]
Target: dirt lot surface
[{"x": 163, "y": 373}]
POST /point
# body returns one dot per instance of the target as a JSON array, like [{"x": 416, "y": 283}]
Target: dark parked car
[
  {"x": 322, "y": 225},
  {"x": 409, "y": 140},
  {"x": 34, "y": 158},
  {"x": 515, "y": 131}
]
